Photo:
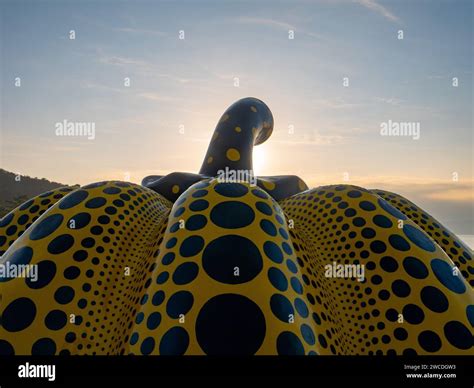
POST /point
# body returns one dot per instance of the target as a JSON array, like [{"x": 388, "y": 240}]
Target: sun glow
[{"x": 259, "y": 157}]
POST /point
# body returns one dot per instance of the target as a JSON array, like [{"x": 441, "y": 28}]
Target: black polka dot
[
  {"x": 168, "y": 258},
  {"x": 391, "y": 210},
  {"x": 392, "y": 315},
  {"x": 46, "y": 226},
  {"x": 354, "y": 194},
  {"x": 470, "y": 314},
  {"x": 273, "y": 251},
  {"x": 95, "y": 203},
  {"x": 179, "y": 304},
  {"x": 6, "y": 349},
  {"x": 55, "y": 320},
  {"x": 445, "y": 274},
  {"x": 413, "y": 314},
  {"x": 400, "y": 334},
  {"x": 230, "y": 324},
  {"x": 242, "y": 263},
  {"x": 196, "y": 222},
  {"x": 301, "y": 307},
  {"x": 296, "y": 285},
  {"x": 64, "y": 295},
  {"x": 268, "y": 227},
  {"x": 308, "y": 334},
  {"x": 322, "y": 341},
  {"x": 378, "y": 246},
  {"x": 458, "y": 335},
  {"x": 415, "y": 268},
  {"x": 185, "y": 273},
  {"x": 382, "y": 221},
  {"x": 191, "y": 246},
  {"x": 147, "y": 345},
  {"x": 162, "y": 277},
  {"x": 399, "y": 243},
  {"x": 232, "y": 215},
  {"x": 111, "y": 190},
  {"x": 18, "y": 315},
  {"x": 153, "y": 321},
  {"x": 11, "y": 230},
  {"x": 80, "y": 255},
  {"x": 70, "y": 337},
  {"x": 158, "y": 298},
  {"x": 6, "y": 220},
  {"x": 288, "y": 344},
  {"x": 23, "y": 219},
  {"x": 171, "y": 243},
  {"x": 282, "y": 308},
  {"x": 73, "y": 199},
  {"x": 368, "y": 233},
  {"x": 199, "y": 205},
  {"x": 43, "y": 347},
  {"x": 367, "y": 206},
  {"x": 429, "y": 341},
  {"x": 134, "y": 338},
  {"x": 110, "y": 210},
  {"x": 79, "y": 221},
  {"x": 401, "y": 288},
  {"x": 233, "y": 190},
  {"x": 264, "y": 208},
  {"x": 278, "y": 279},
  {"x": 260, "y": 193},
  {"x": 434, "y": 299},
  {"x": 174, "y": 342},
  {"x": 60, "y": 244},
  {"x": 199, "y": 193},
  {"x": 419, "y": 238},
  {"x": 388, "y": 264}
]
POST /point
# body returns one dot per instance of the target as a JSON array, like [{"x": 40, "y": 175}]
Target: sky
[{"x": 345, "y": 73}]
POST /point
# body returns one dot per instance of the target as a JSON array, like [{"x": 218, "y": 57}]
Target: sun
[{"x": 259, "y": 157}]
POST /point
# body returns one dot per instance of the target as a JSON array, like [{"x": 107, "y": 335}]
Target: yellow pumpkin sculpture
[{"x": 201, "y": 264}]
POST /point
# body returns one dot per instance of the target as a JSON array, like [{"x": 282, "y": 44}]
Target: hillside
[{"x": 14, "y": 192}]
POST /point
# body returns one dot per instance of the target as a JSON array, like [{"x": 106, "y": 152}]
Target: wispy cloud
[
  {"x": 277, "y": 24},
  {"x": 335, "y": 103},
  {"x": 141, "y": 31},
  {"x": 311, "y": 138},
  {"x": 380, "y": 9},
  {"x": 147, "y": 95},
  {"x": 266, "y": 22},
  {"x": 389, "y": 100},
  {"x": 156, "y": 97},
  {"x": 140, "y": 66}
]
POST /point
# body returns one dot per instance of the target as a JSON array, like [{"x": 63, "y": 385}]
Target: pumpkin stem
[{"x": 245, "y": 123}]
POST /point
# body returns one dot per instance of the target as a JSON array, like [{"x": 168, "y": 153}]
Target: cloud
[
  {"x": 142, "y": 31},
  {"x": 335, "y": 103},
  {"x": 142, "y": 67},
  {"x": 276, "y": 24},
  {"x": 156, "y": 97},
  {"x": 266, "y": 22},
  {"x": 378, "y": 8},
  {"x": 391, "y": 100},
  {"x": 309, "y": 139}
]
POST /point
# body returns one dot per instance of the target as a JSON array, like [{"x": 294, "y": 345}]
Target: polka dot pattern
[{"x": 229, "y": 270}]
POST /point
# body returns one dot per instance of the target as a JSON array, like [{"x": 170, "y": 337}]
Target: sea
[{"x": 468, "y": 239}]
